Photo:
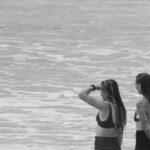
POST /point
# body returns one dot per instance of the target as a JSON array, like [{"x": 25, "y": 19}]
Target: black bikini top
[{"x": 108, "y": 123}]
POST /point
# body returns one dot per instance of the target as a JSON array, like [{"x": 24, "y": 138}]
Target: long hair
[
  {"x": 144, "y": 80},
  {"x": 112, "y": 92}
]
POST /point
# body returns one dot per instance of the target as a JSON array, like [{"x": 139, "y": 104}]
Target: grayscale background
[{"x": 50, "y": 50}]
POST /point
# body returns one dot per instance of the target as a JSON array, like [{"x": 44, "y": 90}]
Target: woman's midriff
[
  {"x": 105, "y": 132},
  {"x": 138, "y": 126}
]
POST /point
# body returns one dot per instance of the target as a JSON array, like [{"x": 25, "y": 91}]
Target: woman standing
[
  {"x": 111, "y": 117},
  {"x": 142, "y": 114}
]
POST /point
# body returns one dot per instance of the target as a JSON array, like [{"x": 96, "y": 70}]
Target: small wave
[{"x": 102, "y": 52}]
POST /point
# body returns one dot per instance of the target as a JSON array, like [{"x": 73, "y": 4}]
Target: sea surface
[{"x": 50, "y": 50}]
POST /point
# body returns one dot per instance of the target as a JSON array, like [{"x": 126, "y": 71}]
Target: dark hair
[
  {"x": 113, "y": 94},
  {"x": 144, "y": 80}
]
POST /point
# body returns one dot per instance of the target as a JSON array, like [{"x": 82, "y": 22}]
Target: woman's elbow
[{"x": 81, "y": 95}]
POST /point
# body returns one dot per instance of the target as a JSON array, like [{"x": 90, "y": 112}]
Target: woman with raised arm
[
  {"x": 142, "y": 114},
  {"x": 111, "y": 116}
]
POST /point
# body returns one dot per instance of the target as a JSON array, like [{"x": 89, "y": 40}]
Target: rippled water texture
[{"x": 49, "y": 51}]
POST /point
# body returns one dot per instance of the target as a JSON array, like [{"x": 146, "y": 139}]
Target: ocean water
[{"x": 50, "y": 50}]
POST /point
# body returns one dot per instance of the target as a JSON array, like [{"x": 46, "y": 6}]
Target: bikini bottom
[
  {"x": 106, "y": 143},
  {"x": 142, "y": 142}
]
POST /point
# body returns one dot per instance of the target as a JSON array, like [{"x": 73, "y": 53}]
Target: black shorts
[
  {"x": 106, "y": 143},
  {"x": 142, "y": 142}
]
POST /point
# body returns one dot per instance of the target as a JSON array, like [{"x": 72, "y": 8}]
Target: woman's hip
[
  {"x": 142, "y": 142},
  {"x": 106, "y": 143}
]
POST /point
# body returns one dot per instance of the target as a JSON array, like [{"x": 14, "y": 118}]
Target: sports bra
[{"x": 108, "y": 123}]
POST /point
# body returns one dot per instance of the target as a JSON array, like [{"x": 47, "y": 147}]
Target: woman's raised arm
[{"x": 93, "y": 101}]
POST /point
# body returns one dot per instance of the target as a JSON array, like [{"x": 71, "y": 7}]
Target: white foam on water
[
  {"x": 21, "y": 147},
  {"x": 102, "y": 52},
  {"x": 4, "y": 46},
  {"x": 20, "y": 58}
]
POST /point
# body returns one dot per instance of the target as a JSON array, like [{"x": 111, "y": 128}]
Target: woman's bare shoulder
[
  {"x": 142, "y": 106},
  {"x": 147, "y": 107},
  {"x": 140, "y": 103}
]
